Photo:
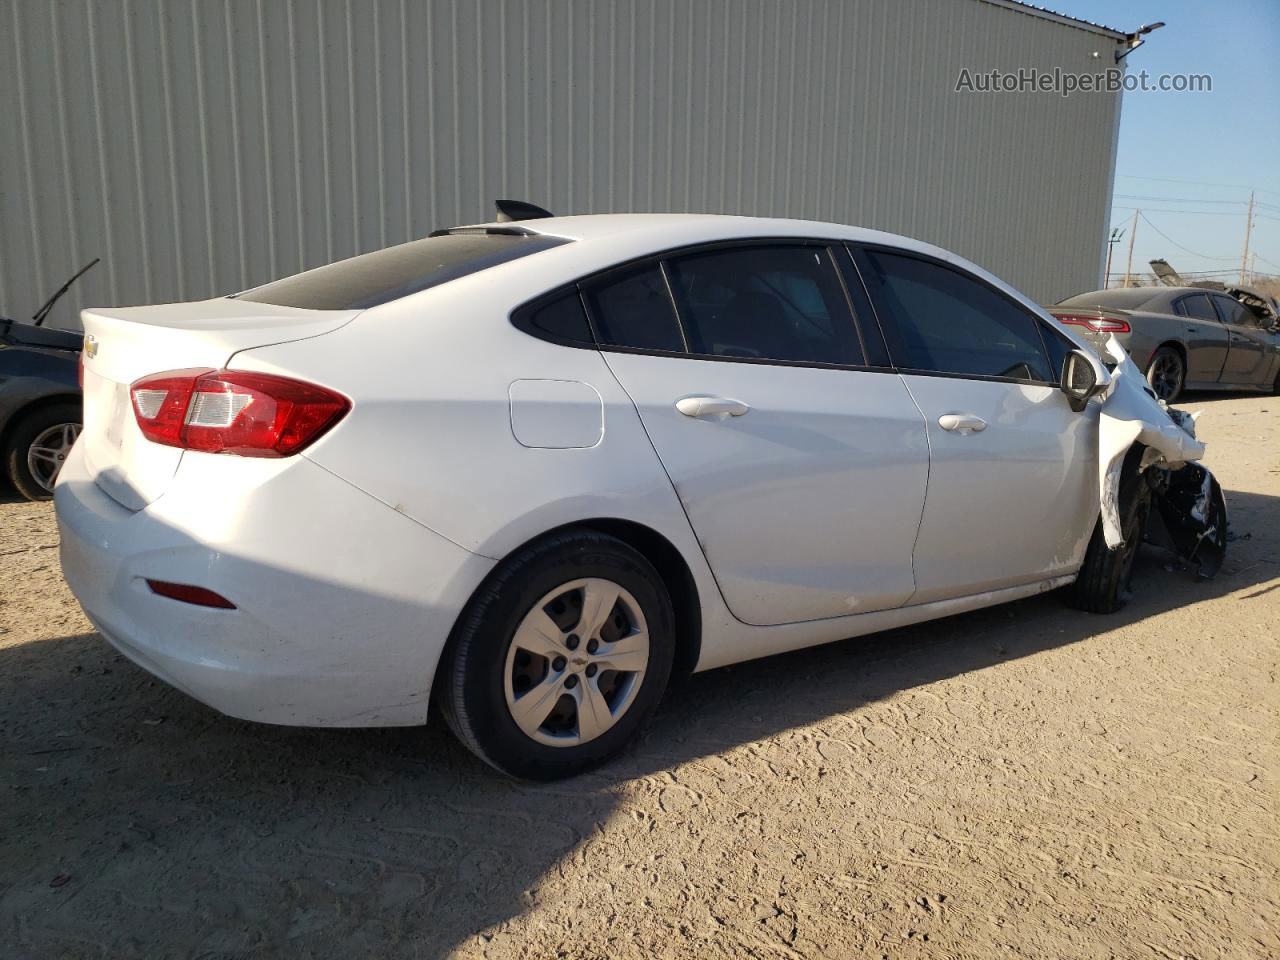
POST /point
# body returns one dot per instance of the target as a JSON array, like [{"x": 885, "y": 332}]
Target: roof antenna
[{"x": 512, "y": 210}]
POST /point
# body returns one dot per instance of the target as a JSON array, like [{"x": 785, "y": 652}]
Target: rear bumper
[{"x": 342, "y": 605}]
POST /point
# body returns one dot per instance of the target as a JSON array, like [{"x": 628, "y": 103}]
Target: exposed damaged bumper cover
[{"x": 1190, "y": 501}]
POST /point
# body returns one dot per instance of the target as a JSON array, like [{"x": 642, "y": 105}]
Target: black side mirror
[{"x": 1079, "y": 380}]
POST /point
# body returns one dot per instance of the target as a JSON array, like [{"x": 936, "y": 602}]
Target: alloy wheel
[
  {"x": 1165, "y": 375},
  {"x": 576, "y": 662},
  {"x": 48, "y": 452}
]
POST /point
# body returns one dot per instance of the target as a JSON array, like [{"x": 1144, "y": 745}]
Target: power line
[
  {"x": 1202, "y": 213},
  {"x": 1202, "y": 256},
  {"x": 1133, "y": 196},
  {"x": 1201, "y": 183}
]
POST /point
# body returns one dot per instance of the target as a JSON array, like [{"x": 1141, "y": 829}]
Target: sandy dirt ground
[{"x": 1025, "y": 781}]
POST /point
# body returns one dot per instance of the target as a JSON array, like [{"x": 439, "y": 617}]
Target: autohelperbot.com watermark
[{"x": 1066, "y": 83}]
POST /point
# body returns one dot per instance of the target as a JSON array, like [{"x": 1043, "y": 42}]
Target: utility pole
[
  {"x": 1248, "y": 228},
  {"x": 1133, "y": 232},
  {"x": 1116, "y": 234}
]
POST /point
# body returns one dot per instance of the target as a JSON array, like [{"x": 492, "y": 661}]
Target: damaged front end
[
  {"x": 1189, "y": 499},
  {"x": 1194, "y": 511}
]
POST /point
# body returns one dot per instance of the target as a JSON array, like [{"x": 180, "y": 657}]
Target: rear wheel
[
  {"x": 38, "y": 446},
  {"x": 1167, "y": 374},
  {"x": 560, "y": 657}
]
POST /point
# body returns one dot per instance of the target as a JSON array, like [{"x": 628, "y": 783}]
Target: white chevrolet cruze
[{"x": 530, "y": 468}]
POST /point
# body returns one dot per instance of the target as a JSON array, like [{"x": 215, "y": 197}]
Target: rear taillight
[
  {"x": 80, "y": 369},
  {"x": 1095, "y": 324},
  {"x": 232, "y": 411}
]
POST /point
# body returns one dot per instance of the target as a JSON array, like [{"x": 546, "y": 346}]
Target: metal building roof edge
[{"x": 1031, "y": 9}]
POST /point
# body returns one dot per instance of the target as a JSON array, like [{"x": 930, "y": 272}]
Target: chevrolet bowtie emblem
[{"x": 91, "y": 347}]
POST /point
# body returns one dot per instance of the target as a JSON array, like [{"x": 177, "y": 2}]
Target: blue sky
[{"x": 1226, "y": 141}]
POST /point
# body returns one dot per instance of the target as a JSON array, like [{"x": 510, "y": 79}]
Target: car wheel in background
[
  {"x": 560, "y": 657},
  {"x": 37, "y": 447},
  {"x": 1166, "y": 374}
]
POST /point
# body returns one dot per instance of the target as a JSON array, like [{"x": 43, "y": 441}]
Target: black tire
[
  {"x": 1103, "y": 583},
  {"x": 23, "y": 435},
  {"x": 471, "y": 680},
  {"x": 1167, "y": 374}
]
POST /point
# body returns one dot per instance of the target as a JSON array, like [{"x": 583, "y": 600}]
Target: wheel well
[
  {"x": 35, "y": 406},
  {"x": 1175, "y": 346}
]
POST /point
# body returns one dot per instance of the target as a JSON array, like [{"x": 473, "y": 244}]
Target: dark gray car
[
  {"x": 1182, "y": 337},
  {"x": 39, "y": 404}
]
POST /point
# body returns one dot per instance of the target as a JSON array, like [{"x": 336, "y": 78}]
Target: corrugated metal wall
[{"x": 202, "y": 147}]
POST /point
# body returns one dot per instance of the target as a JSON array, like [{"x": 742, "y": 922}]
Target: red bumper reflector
[{"x": 189, "y": 594}]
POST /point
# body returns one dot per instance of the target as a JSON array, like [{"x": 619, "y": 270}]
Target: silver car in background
[{"x": 1187, "y": 338}]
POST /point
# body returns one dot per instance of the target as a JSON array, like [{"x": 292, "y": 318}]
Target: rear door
[
  {"x": 1012, "y": 494},
  {"x": 800, "y": 463},
  {"x": 1247, "y": 360}
]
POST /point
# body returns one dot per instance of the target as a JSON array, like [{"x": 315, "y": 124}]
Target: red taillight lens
[
  {"x": 189, "y": 594},
  {"x": 1096, "y": 324},
  {"x": 80, "y": 369},
  {"x": 231, "y": 411},
  {"x": 160, "y": 404}
]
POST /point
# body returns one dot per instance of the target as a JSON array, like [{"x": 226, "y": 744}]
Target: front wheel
[
  {"x": 38, "y": 446},
  {"x": 1102, "y": 585},
  {"x": 560, "y": 657}
]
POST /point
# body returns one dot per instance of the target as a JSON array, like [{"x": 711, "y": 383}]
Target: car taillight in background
[
  {"x": 1095, "y": 324},
  {"x": 232, "y": 411}
]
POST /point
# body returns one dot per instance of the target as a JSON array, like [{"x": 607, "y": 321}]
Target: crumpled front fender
[{"x": 1132, "y": 414}]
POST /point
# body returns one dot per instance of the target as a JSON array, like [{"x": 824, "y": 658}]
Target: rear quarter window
[
  {"x": 558, "y": 317},
  {"x": 385, "y": 275}
]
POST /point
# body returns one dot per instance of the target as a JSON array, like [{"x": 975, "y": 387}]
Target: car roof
[{"x": 646, "y": 227}]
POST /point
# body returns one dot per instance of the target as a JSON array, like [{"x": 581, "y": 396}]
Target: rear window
[
  {"x": 1130, "y": 298},
  {"x": 386, "y": 275}
]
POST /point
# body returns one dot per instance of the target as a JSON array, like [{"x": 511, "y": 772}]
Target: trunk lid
[{"x": 124, "y": 344}]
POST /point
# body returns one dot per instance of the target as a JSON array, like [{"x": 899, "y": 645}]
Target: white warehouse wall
[{"x": 203, "y": 147}]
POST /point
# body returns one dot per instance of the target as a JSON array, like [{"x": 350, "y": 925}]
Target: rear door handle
[
  {"x": 711, "y": 407},
  {"x": 963, "y": 423}
]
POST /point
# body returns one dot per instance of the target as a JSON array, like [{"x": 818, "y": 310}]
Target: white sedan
[{"x": 528, "y": 469}]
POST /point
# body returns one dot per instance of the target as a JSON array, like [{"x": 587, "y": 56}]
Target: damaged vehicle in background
[
  {"x": 638, "y": 444},
  {"x": 1183, "y": 338}
]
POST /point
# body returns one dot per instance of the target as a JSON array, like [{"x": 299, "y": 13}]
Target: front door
[
  {"x": 802, "y": 471},
  {"x": 1247, "y": 360},
  {"x": 1012, "y": 495}
]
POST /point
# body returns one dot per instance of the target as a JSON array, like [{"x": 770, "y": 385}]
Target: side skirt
[{"x": 725, "y": 643}]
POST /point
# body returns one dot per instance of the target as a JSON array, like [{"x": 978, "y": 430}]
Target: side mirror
[{"x": 1082, "y": 378}]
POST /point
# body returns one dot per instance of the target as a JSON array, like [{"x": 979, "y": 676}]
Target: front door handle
[
  {"x": 962, "y": 423},
  {"x": 711, "y": 407}
]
